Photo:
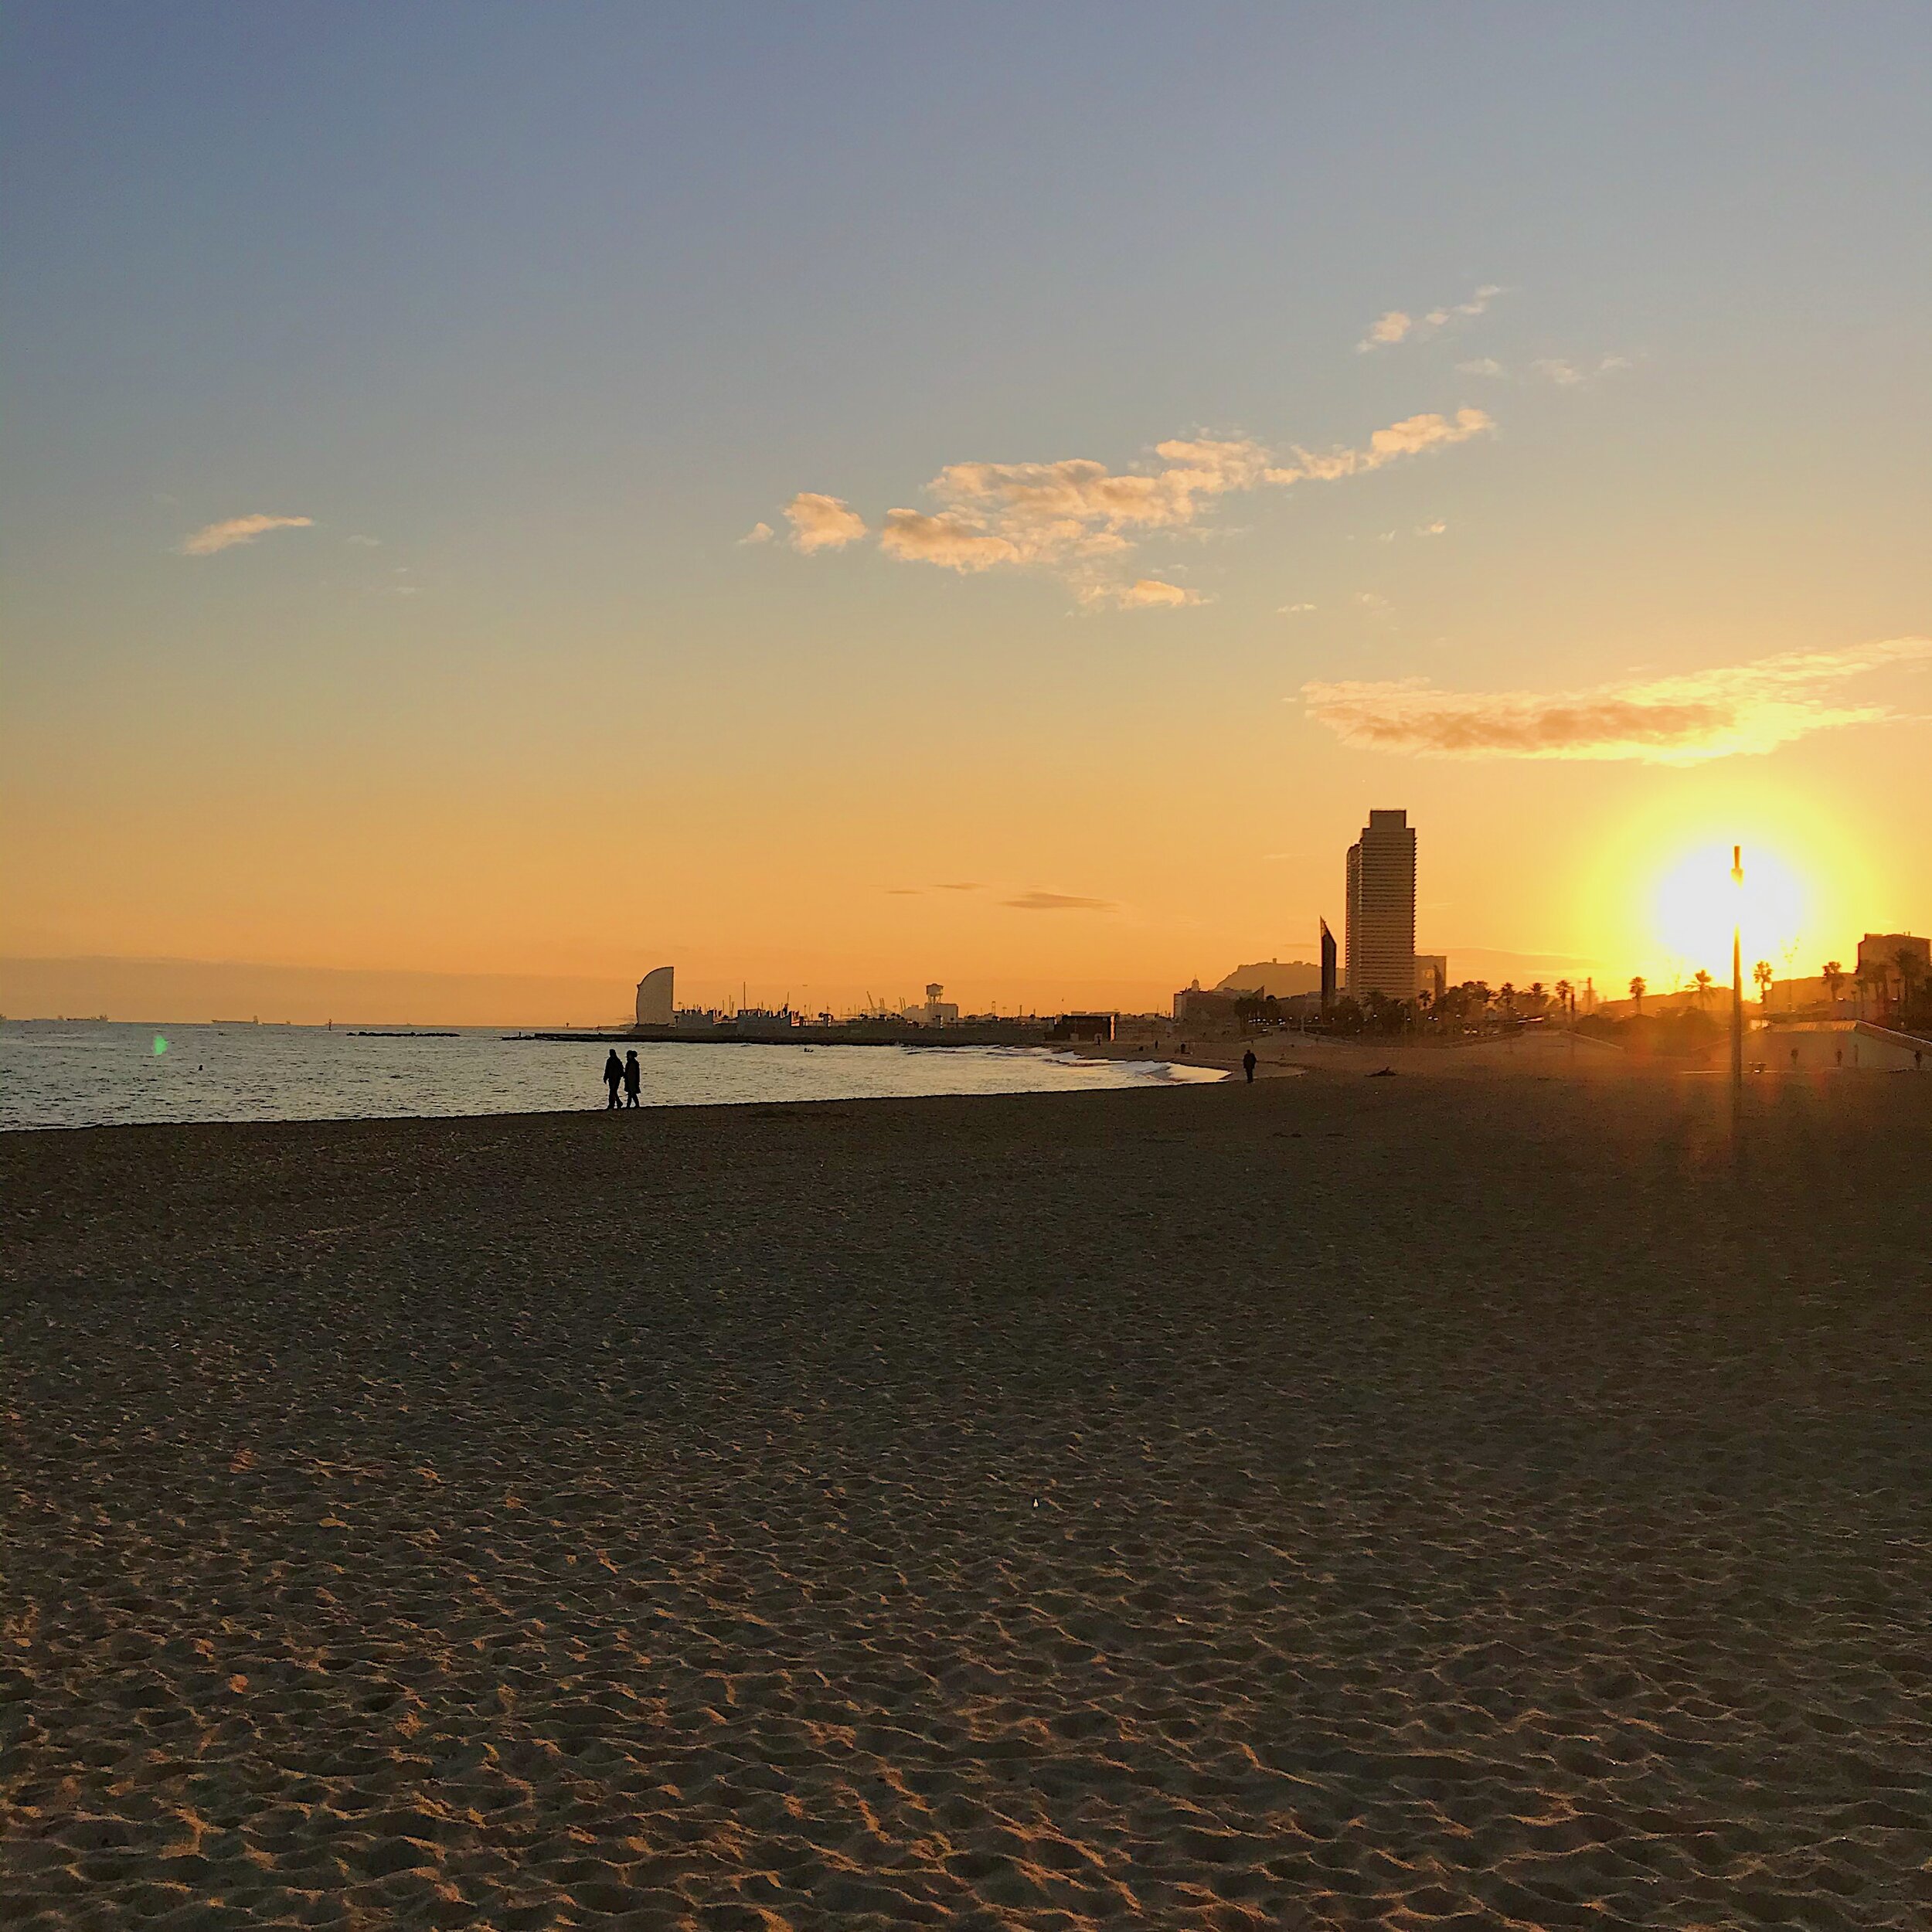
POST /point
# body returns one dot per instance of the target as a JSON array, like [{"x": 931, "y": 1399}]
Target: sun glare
[{"x": 1697, "y": 905}]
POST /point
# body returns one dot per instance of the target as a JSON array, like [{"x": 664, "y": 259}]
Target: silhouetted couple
[{"x": 625, "y": 1073}]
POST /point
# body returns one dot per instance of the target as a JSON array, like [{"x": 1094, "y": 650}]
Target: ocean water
[{"x": 68, "y": 1073}]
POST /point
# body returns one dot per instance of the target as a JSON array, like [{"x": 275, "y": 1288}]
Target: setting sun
[{"x": 1697, "y": 905}]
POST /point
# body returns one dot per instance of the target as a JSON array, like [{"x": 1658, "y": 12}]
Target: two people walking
[{"x": 625, "y": 1073}]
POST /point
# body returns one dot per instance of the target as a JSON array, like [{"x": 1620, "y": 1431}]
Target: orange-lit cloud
[
  {"x": 1398, "y": 325},
  {"x": 239, "y": 529},
  {"x": 1411, "y": 437},
  {"x": 1079, "y": 517},
  {"x": 759, "y": 533},
  {"x": 1037, "y": 902},
  {"x": 947, "y": 539},
  {"x": 1734, "y": 708},
  {"x": 1145, "y": 593},
  {"x": 822, "y": 522}
]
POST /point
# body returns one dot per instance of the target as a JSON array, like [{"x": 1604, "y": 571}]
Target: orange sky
[{"x": 515, "y": 537}]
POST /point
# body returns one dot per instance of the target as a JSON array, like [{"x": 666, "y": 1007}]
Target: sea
[{"x": 61, "y": 1073}]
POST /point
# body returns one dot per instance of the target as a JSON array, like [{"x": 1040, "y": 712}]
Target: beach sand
[{"x": 1343, "y": 1502}]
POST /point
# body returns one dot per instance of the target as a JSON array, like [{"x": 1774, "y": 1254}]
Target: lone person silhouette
[
  {"x": 633, "y": 1078},
  {"x": 613, "y": 1079},
  {"x": 1248, "y": 1065}
]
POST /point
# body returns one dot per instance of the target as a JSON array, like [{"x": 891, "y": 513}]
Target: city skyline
[{"x": 499, "y": 505}]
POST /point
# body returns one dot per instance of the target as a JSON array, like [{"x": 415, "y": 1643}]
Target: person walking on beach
[
  {"x": 613, "y": 1079},
  {"x": 633, "y": 1078},
  {"x": 1248, "y": 1064}
]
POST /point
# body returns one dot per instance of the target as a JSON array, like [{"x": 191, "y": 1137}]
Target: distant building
[
  {"x": 1380, "y": 934},
  {"x": 1094, "y": 1026},
  {"x": 1328, "y": 968},
  {"x": 1273, "y": 978},
  {"x": 654, "y": 1003},
  {"x": 937, "y": 1011},
  {"x": 1878, "y": 967},
  {"x": 1432, "y": 974}
]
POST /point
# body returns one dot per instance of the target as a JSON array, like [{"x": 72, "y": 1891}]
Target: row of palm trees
[{"x": 1874, "y": 979}]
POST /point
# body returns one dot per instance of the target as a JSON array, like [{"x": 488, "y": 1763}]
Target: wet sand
[{"x": 1334, "y": 1502}]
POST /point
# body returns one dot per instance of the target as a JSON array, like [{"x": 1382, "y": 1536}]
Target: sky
[{"x": 502, "y": 497}]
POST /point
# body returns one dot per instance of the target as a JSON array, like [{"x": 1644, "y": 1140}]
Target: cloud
[
  {"x": 364, "y": 542},
  {"x": 1435, "y": 528},
  {"x": 1568, "y": 375},
  {"x": 1550, "y": 368},
  {"x": 239, "y": 529},
  {"x": 960, "y": 885},
  {"x": 1293, "y": 609},
  {"x": 822, "y": 522},
  {"x": 1412, "y": 436},
  {"x": 1393, "y": 326},
  {"x": 947, "y": 539},
  {"x": 758, "y": 533},
  {"x": 1057, "y": 902},
  {"x": 1397, "y": 325},
  {"x": 1145, "y": 593},
  {"x": 1720, "y": 713},
  {"x": 1078, "y": 516}
]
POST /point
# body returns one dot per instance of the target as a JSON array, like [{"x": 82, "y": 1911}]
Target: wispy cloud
[
  {"x": 1057, "y": 902},
  {"x": 1398, "y": 325},
  {"x": 1435, "y": 528},
  {"x": 758, "y": 533},
  {"x": 1568, "y": 375},
  {"x": 822, "y": 522},
  {"x": 1565, "y": 373},
  {"x": 364, "y": 542},
  {"x": 1411, "y": 437},
  {"x": 1078, "y": 516},
  {"x": 1293, "y": 609},
  {"x": 1687, "y": 719},
  {"x": 239, "y": 529},
  {"x": 960, "y": 885}
]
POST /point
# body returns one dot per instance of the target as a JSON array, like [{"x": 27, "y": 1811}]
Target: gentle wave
[{"x": 57, "y": 1075}]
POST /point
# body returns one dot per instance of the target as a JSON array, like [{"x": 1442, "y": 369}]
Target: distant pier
[{"x": 856, "y": 1033}]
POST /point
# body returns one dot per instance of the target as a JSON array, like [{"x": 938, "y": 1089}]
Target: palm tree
[
  {"x": 1834, "y": 977},
  {"x": 1761, "y": 972},
  {"x": 1871, "y": 978},
  {"x": 1702, "y": 982},
  {"x": 1638, "y": 989},
  {"x": 1907, "y": 962},
  {"x": 1566, "y": 997},
  {"x": 1506, "y": 995}
]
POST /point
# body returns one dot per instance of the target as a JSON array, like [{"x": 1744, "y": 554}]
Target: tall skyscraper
[{"x": 1381, "y": 933}]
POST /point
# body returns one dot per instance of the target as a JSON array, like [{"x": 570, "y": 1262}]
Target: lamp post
[{"x": 1737, "y": 971}]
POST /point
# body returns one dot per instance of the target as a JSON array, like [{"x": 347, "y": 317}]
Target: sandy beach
[{"x": 1337, "y": 1502}]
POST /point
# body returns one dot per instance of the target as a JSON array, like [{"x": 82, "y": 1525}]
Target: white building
[{"x": 654, "y": 1004}]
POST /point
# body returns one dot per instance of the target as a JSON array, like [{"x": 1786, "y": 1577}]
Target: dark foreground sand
[{"x": 1395, "y": 1503}]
